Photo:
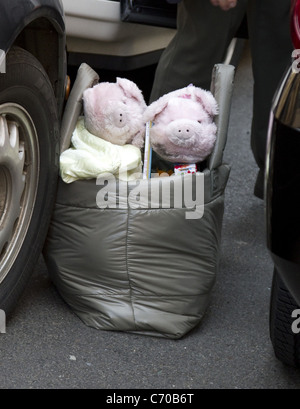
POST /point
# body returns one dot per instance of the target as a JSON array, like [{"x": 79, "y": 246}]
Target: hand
[{"x": 224, "y": 4}]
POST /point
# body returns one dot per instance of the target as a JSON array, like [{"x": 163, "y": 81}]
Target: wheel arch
[{"x": 43, "y": 35}]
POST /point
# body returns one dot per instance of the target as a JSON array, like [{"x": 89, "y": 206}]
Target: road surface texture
[{"x": 47, "y": 346}]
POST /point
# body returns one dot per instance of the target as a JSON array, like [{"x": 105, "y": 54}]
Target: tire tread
[{"x": 285, "y": 343}]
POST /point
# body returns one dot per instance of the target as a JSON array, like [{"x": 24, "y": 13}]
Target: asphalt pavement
[{"x": 47, "y": 347}]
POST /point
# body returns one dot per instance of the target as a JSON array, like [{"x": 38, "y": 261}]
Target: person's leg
[
  {"x": 203, "y": 35},
  {"x": 271, "y": 50}
]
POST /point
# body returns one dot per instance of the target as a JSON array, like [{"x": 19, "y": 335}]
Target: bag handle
[
  {"x": 222, "y": 89},
  {"x": 86, "y": 78}
]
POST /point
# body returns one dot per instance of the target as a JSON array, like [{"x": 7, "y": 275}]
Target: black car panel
[
  {"x": 16, "y": 14},
  {"x": 283, "y": 181},
  {"x": 38, "y": 27}
]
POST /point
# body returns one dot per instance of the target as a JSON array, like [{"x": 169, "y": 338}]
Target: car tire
[
  {"x": 29, "y": 149},
  {"x": 286, "y": 343}
]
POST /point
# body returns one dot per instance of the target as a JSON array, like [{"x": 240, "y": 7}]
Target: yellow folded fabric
[{"x": 90, "y": 157}]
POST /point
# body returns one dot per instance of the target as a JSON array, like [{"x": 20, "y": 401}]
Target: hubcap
[{"x": 19, "y": 170}]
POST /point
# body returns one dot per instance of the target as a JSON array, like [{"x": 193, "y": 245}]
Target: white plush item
[{"x": 90, "y": 157}]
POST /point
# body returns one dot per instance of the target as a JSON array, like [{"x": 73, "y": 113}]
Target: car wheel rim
[{"x": 19, "y": 170}]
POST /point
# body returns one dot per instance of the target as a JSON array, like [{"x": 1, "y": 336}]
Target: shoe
[{"x": 260, "y": 185}]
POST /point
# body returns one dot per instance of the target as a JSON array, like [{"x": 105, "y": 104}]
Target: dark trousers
[
  {"x": 203, "y": 35},
  {"x": 271, "y": 50}
]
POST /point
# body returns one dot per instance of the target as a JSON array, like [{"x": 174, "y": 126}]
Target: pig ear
[
  {"x": 93, "y": 110},
  {"x": 131, "y": 90},
  {"x": 207, "y": 100},
  {"x": 156, "y": 108},
  {"x": 89, "y": 101}
]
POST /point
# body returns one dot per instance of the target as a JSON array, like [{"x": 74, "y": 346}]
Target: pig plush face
[
  {"x": 114, "y": 112},
  {"x": 183, "y": 130}
]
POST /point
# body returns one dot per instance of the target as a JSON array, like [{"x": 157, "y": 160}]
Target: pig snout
[
  {"x": 119, "y": 118},
  {"x": 183, "y": 131}
]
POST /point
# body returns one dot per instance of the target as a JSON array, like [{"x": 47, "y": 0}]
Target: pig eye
[{"x": 200, "y": 122}]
